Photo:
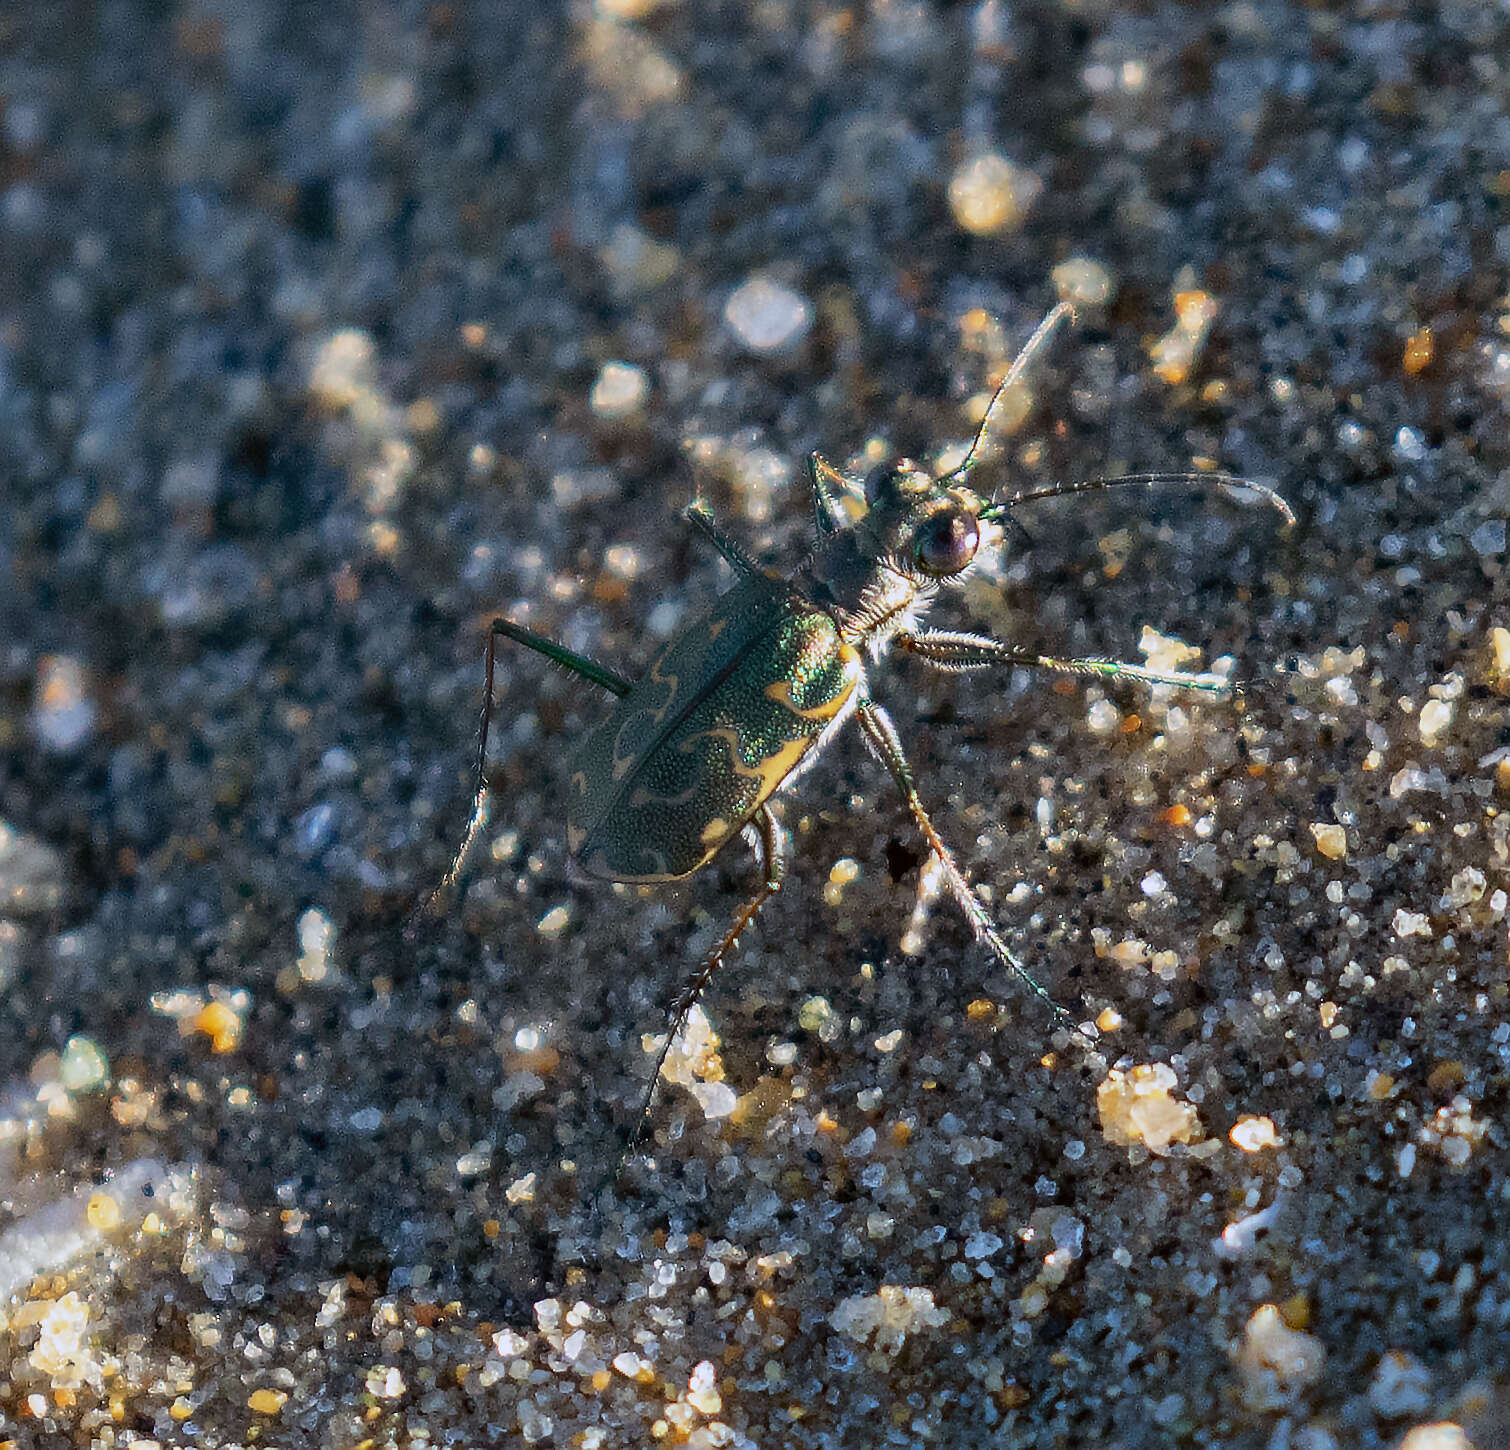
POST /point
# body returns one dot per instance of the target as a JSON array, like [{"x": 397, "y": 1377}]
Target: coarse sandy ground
[{"x": 329, "y": 332}]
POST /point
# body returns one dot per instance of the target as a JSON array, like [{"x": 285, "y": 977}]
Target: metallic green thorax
[{"x": 721, "y": 718}]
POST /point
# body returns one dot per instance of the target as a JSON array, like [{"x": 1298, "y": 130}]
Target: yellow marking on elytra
[
  {"x": 579, "y": 782},
  {"x": 715, "y": 830},
  {"x": 715, "y": 628},
  {"x": 781, "y": 692},
  {"x": 770, "y": 770},
  {"x": 640, "y": 797},
  {"x": 673, "y": 684},
  {"x": 624, "y": 762},
  {"x": 575, "y": 835}
]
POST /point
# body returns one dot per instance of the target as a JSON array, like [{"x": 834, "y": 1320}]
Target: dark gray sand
[{"x": 327, "y": 333}]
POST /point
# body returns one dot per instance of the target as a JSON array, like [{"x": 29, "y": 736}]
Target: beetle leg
[
  {"x": 827, "y": 485},
  {"x": 700, "y": 518},
  {"x": 477, "y": 821},
  {"x": 881, "y": 736},
  {"x": 557, "y": 654},
  {"x": 948, "y": 650},
  {"x": 770, "y": 846}
]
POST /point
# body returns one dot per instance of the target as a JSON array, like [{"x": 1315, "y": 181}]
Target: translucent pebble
[
  {"x": 1489, "y": 538},
  {"x": 635, "y": 262},
  {"x": 82, "y": 1066},
  {"x": 1410, "y": 444},
  {"x": 62, "y": 713},
  {"x": 1435, "y": 717},
  {"x": 1275, "y": 1361},
  {"x": 886, "y": 1318},
  {"x": 620, "y": 390},
  {"x": 61, "y": 1349},
  {"x": 861, "y": 1145},
  {"x": 814, "y": 1013},
  {"x": 766, "y": 316},
  {"x": 717, "y": 1099},
  {"x": 475, "y": 1161},
  {"x": 1251, "y": 1133},
  {"x": 343, "y": 368},
  {"x": 1138, "y": 1106},
  {"x": 316, "y": 933},
  {"x": 1401, "y": 1386},
  {"x": 1083, "y": 282},
  {"x": 1240, "y": 1237},
  {"x": 534, "y": 1424},
  {"x": 1445, "y": 1435},
  {"x": 702, "y": 1389},
  {"x": 1341, "y": 691},
  {"x": 313, "y": 828},
  {"x": 1410, "y": 923},
  {"x": 1103, "y": 718},
  {"x": 554, "y": 922},
  {"x": 628, "y": 1363},
  {"x": 31, "y": 874},
  {"x": 1467, "y": 886},
  {"x": 1068, "y": 1233},
  {"x": 988, "y": 195},
  {"x": 1331, "y": 839}
]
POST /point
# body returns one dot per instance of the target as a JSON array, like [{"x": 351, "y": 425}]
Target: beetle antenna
[
  {"x": 1225, "y": 481},
  {"x": 1020, "y": 364}
]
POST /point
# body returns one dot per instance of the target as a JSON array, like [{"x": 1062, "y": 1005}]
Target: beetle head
[{"x": 929, "y": 527}]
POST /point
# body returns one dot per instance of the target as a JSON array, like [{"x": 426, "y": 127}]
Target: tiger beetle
[{"x": 744, "y": 700}]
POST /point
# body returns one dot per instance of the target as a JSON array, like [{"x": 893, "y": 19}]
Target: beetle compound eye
[{"x": 946, "y": 543}]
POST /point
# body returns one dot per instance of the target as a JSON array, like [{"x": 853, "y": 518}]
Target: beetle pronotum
[{"x": 743, "y": 700}]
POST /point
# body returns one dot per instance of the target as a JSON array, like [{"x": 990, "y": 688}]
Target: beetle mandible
[{"x": 740, "y": 703}]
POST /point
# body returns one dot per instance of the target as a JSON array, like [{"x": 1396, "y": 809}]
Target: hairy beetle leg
[{"x": 956, "y": 652}]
